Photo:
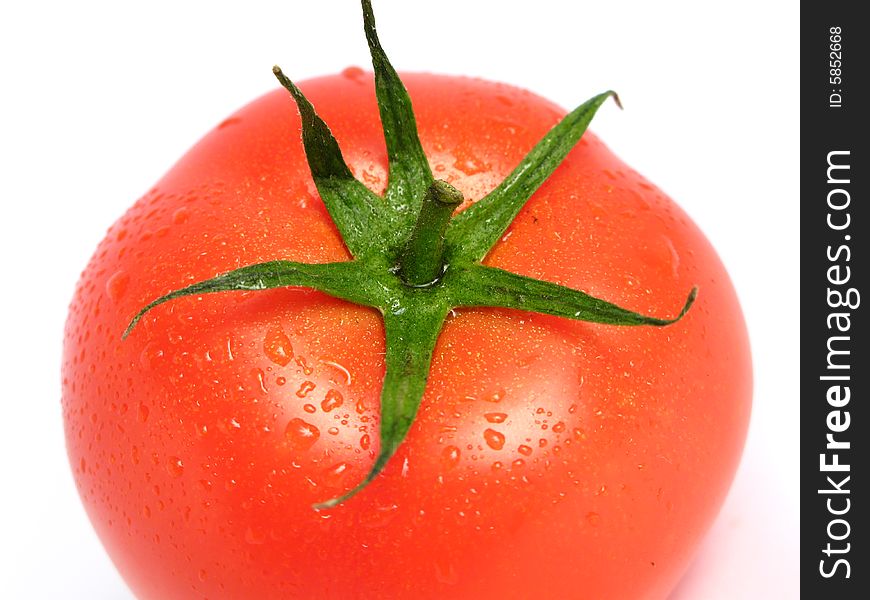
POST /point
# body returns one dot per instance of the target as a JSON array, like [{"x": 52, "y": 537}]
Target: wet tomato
[{"x": 549, "y": 458}]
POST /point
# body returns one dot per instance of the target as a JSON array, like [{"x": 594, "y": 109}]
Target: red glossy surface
[{"x": 550, "y": 459}]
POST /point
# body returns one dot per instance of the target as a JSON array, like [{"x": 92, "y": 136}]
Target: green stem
[{"x": 422, "y": 261}]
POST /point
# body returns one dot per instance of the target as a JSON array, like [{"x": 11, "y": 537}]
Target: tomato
[{"x": 549, "y": 459}]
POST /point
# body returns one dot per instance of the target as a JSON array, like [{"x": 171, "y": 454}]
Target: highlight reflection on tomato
[{"x": 550, "y": 458}]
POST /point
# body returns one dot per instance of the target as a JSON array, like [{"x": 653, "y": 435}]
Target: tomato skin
[{"x": 550, "y": 458}]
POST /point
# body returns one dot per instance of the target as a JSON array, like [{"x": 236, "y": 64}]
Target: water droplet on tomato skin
[
  {"x": 151, "y": 355},
  {"x": 309, "y": 408},
  {"x": 333, "y": 400},
  {"x": 353, "y": 73},
  {"x": 143, "y": 412},
  {"x": 175, "y": 466},
  {"x": 495, "y": 396},
  {"x": 116, "y": 285},
  {"x": 308, "y": 370},
  {"x": 336, "y": 472},
  {"x": 229, "y": 121},
  {"x": 260, "y": 376},
  {"x": 379, "y": 517},
  {"x": 180, "y": 216},
  {"x": 494, "y": 439},
  {"x": 277, "y": 346},
  {"x": 450, "y": 456},
  {"x": 525, "y": 450},
  {"x": 305, "y": 388},
  {"x": 495, "y": 417},
  {"x": 468, "y": 162},
  {"x": 301, "y": 435},
  {"x": 341, "y": 369}
]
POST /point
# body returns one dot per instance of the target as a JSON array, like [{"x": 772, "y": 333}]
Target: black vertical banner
[{"x": 834, "y": 370}]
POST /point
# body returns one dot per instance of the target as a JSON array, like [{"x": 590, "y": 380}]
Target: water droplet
[
  {"x": 261, "y": 379},
  {"x": 180, "y": 216},
  {"x": 277, "y": 346},
  {"x": 365, "y": 442},
  {"x": 525, "y": 450},
  {"x": 572, "y": 409},
  {"x": 300, "y": 435},
  {"x": 229, "y": 121},
  {"x": 203, "y": 575},
  {"x": 333, "y": 400},
  {"x": 117, "y": 285},
  {"x": 495, "y": 417},
  {"x": 309, "y": 408},
  {"x": 450, "y": 456},
  {"x": 504, "y": 100},
  {"x": 494, "y": 439},
  {"x": 332, "y": 431},
  {"x": 353, "y": 73},
  {"x": 305, "y": 388},
  {"x": 341, "y": 368},
  {"x": 495, "y": 397},
  {"x": 335, "y": 472},
  {"x": 467, "y": 162},
  {"x": 300, "y": 360},
  {"x": 175, "y": 466},
  {"x": 151, "y": 355},
  {"x": 143, "y": 412},
  {"x": 559, "y": 427},
  {"x": 280, "y": 380},
  {"x": 379, "y": 517}
]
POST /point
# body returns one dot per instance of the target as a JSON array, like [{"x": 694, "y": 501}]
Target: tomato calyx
[{"x": 414, "y": 260}]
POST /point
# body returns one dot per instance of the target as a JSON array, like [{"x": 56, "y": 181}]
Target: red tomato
[{"x": 550, "y": 458}]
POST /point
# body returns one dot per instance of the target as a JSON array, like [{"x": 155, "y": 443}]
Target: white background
[{"x": 100, "y": 98}]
